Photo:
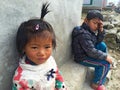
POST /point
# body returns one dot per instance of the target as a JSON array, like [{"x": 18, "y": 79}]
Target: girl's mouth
[{"x": 41, "y": 59}]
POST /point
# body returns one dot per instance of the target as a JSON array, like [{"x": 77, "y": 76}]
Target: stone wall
[{"x": 64, "y": 15}]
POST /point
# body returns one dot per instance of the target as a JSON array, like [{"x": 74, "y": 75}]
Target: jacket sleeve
[
  {"x": 59, "y": 84},
  {"x": 22, "y": 85},
  {"x": 88, "y": 46},
  {"x": 17, "y": 83},
  {"x": 100, "y": 36}
]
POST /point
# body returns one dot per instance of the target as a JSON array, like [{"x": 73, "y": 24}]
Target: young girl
[
  {"x": 37, "y": 69},
  {"x": 90, "y": 50}
]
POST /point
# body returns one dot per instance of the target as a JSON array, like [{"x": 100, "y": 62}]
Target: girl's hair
[{"x": 34, "y": 28}]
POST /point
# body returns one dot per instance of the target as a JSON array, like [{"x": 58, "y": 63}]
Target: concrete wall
[
  {"x": 96, "y": 4},
  {"x": 64, "y": 15}
]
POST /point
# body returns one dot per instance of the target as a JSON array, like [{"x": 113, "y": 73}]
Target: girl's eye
[
  {"x": 34, "y": 47},
  {"x": 47, "y": 47}
]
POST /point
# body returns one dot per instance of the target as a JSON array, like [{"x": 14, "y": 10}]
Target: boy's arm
[
  {"x": 59, "y": 84},
  {"x": 100, "y": 36},
  {"x": 101, "y": 32},
  {"x": 88, "y": 46}
]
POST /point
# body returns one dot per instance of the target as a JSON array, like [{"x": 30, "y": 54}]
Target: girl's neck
[{"x": 28, "y": 61}]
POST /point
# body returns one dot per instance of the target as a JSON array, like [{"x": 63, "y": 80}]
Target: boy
[{"x": 90, "y": 50}]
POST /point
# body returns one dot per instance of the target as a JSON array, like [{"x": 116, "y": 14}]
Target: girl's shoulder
[{"x": 52, "y": 60}]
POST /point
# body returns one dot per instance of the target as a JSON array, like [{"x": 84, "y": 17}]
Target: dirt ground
[{"x": 114, "y": 82}]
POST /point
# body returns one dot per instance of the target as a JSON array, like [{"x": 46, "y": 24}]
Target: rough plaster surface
[
  {"x": 64, "y": 15},
  {"x": 74, "y": 75}
]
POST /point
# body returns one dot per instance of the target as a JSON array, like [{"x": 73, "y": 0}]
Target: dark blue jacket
[{"x": 85, "y": 44}]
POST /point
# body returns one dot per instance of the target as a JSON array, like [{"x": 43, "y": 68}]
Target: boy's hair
[
  {"x": 94, "y": 14},
  {"x": 34, "y": 28}
]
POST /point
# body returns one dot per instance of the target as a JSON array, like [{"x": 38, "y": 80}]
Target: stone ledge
[{"x": 74, "y": 75}]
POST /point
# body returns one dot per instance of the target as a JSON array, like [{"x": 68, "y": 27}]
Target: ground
[{"x": 114, "y": 82}]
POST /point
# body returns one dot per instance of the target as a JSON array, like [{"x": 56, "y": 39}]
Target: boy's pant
[{"x": 101, "y": 66}]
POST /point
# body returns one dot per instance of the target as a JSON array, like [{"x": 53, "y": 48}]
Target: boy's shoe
[
  {"x": 101, "y": 87},
  {"x": 97, "y": 87}
]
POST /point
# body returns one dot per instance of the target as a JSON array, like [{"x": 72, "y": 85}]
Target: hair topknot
[{"x": 44, "y": 10}]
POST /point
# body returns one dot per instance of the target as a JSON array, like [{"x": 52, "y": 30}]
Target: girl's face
[
  {"x": 93, "y": 24},
  {"x": 38, "y": 50}
]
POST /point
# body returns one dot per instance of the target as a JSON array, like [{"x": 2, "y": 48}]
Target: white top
[{"x": 38, "y": 77}]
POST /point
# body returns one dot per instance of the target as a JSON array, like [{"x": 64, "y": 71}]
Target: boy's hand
[
  {"x": 109, "y": 59},
  {"x": 100, "y": 25}
]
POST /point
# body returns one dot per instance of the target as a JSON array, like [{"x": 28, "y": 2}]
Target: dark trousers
[{"x": 101, "y": 66}]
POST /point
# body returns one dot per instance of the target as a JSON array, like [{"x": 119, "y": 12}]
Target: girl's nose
[{"x": 41, "y": 52}]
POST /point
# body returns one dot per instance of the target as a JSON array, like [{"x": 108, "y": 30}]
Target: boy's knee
[{"x": 101, "y": 46}]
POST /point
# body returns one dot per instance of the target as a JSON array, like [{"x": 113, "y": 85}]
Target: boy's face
[
  {"x": 38, "y": 50},
  {"x": 94, "y": 24}
]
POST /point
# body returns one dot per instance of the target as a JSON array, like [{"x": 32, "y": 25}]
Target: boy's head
[
  {"x": 94, "y": 20},
  {"x": 94, "y": 14}
]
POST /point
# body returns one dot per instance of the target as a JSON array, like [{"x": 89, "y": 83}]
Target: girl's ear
[{"x": 23, "y": 51}]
